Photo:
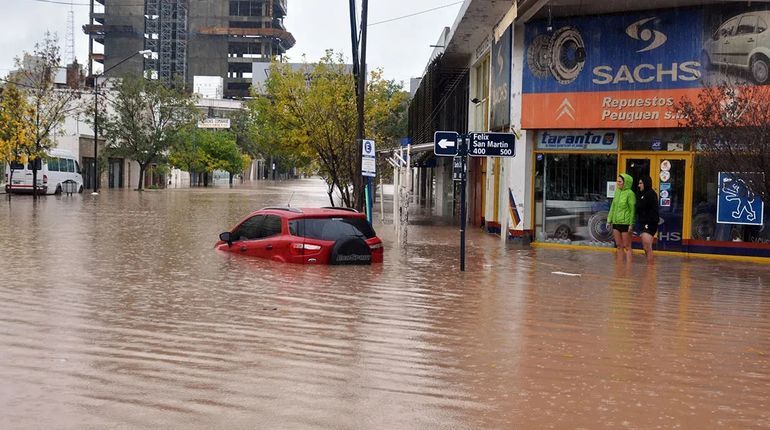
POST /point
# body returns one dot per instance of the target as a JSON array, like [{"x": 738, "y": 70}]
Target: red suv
[{"x": 306, "y": 236}]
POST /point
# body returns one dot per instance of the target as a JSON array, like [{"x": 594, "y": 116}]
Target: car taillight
[
  {"x": 45, "y": 179},
  {"x": 300, "y": 248}
]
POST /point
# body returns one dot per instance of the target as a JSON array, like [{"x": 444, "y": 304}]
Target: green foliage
[
  {"x": 308, "y": 117},
  {"x": 201, "y": 150},
  {"x": 147, "y": 117}
]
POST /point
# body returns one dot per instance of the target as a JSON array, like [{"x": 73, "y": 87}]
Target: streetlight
[{"x": 143, "y": 52}]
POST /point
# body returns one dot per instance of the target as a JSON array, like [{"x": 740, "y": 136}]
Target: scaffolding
[{"x": 166, "y": 34}]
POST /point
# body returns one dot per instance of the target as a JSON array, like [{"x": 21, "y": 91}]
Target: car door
[
  {"x": 743, "y": 40},
  {"x": 723, "y": 47},
  {"x": 245, "y": 236},
  {"x": 272, "y": 243}
]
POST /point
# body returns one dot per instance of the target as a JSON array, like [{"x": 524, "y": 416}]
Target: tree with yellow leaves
[{"x": 16, "y": 134}]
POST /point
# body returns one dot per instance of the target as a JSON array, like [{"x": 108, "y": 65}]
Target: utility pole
[{"x": 359, "y": 73}]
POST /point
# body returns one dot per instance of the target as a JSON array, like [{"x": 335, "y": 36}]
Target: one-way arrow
[{"x": 445, "y": 143}]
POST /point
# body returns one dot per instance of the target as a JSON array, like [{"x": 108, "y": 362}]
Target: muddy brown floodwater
[{"x": 116, "y": 312}]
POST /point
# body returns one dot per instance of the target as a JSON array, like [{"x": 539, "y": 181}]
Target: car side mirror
[{"x": 225, "y": 237}]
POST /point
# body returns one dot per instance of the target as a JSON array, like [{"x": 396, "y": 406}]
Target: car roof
[{"x": 295, "y": 213}]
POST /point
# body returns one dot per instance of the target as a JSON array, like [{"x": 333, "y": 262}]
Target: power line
[
  {"x": 414, "y": 14},
  {"x": 62, "y": 2}
]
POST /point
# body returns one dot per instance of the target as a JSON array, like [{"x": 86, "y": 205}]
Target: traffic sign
[
  {"x": 492, "y": 145},
  {"x": 445, "y": 143},
  {"x": 368, "y": 160}
]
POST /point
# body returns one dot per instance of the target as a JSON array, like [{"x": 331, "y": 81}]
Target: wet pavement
[{"x": 116, "y": 312}]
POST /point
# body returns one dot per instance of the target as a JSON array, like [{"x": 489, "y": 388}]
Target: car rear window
[{"x": 331, "y": 228}]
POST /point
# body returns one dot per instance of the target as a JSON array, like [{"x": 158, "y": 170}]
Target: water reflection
[{"x": 117, "y": 312}]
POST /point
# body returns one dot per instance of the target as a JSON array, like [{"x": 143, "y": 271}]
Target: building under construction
[{"x": 188, "y": 38}]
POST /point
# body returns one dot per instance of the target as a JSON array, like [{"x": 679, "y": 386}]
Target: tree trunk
[
  {"x": 231, "y": 179},
  {"x": 141, "y": 177},
  {"x": 34, "y": 179},
  {"x": 10, "y": 184}
]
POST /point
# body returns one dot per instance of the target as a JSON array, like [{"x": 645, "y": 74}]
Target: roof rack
[
  {"x": 340, "y": 208},
  {"x": 283, "y": 208}
]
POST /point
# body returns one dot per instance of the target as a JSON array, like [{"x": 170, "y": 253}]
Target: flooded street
[{"x": 116, "y": 312}]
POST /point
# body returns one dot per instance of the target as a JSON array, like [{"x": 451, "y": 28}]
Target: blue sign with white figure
[{"x": 737, "y": 204}]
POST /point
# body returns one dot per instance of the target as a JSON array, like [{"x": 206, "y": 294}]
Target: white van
[{"x": 59, "y": 166}]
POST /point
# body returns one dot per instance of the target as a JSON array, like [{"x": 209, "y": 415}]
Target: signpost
[
  {"x": 459, "y": 146},
  {"x": 368, "y": 169}
]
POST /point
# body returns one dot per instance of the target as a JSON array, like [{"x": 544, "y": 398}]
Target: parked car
[
  {"x": 305, "y": 236},
  {"x": 742, "y": 41}
]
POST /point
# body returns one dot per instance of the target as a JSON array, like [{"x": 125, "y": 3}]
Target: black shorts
[
  {"x": 623, "y": 228},
  {"x": 650, "y": 229}
]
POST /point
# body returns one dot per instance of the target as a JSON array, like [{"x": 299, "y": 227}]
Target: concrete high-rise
[{"x": 189, "y": 38}]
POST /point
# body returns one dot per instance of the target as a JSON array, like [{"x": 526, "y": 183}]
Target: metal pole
[
  {"x": 96, "y": 133},
  {"x": 463, "y": 154}
]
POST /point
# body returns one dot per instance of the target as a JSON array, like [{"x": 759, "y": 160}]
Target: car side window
[
  {"x": 249, "y": 229},
  {"x": 761, "y": 25},
  {"x": 53, "y": 164},
  {"x": 271, "y": 226},
  {"x": 746, "y": 25},
  {"x": 727, "y": 29},
  {"x": 70, "y": 165}
]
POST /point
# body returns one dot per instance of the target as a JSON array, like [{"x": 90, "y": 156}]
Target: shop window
[
  {"x": 670, "y": 140},
  {"x": 704, "y": 219},
  {"x": 571, "y": 203}
]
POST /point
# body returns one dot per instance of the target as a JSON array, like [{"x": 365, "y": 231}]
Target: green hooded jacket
[{"x": 623, "y": 208}]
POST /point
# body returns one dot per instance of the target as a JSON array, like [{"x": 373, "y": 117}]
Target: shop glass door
[{"x": 672, "y": 181}]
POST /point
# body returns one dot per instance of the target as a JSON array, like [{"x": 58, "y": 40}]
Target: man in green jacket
[{"x": 622, "y": 215}]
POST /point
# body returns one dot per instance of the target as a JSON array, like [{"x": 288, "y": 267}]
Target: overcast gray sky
[{"x": 400, "y": 47}]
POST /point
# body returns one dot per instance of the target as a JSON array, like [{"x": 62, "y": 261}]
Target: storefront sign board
[
  {"x": 736, "y": 204},
  {"x": 574, "y": 140},
  {"x": 623, "y": 70}
]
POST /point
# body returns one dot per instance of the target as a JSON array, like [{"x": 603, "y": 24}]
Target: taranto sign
[
  {"x": 600, "y": 140},
  {"x": 630, "y": 70}
]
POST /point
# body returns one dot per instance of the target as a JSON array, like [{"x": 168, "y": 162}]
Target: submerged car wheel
[
  {"x": 760, "y": 69},
  {"x": 351, "y": 250}
]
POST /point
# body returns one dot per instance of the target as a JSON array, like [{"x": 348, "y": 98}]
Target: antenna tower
[{"x": 69, "y": 39}]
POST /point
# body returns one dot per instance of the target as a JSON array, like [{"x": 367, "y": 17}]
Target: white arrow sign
[{"x": 445, "y": 143}]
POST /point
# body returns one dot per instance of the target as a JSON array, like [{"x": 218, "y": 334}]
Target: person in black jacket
[{"x": 647, "y": 214}]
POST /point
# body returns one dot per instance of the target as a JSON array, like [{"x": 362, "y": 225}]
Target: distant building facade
[{"x": 188, "y": 38}]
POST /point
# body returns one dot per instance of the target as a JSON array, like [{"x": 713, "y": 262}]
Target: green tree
[
  {"x": 308, "y": 116},
  {"x": 222, "y": 153},
  {"x": 204, "y": 151},
  {"x": 15, "y": 133},
  {"x": 49, "y": 105},
  {"x": 146, "y": 118},
  {"x": 187, "y": 154}
]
